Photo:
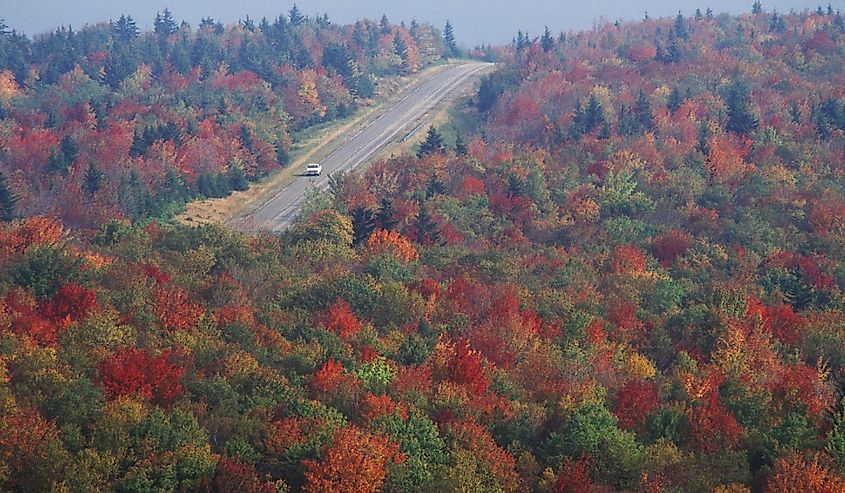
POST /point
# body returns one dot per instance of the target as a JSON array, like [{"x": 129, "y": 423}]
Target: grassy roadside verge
[{"x": 316, "y": 143}]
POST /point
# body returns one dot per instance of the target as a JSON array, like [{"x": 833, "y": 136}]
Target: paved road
[{"x": 281, "y": 210}]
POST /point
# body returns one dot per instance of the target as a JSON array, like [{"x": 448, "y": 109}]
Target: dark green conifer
[
  {"x": 295, "y": 16},
  {"x": 386, "y": 215},
  {"x": 645, "y": 118},
  {"x": 92, "y": 182},
  {"x": 676, "y": 99},
  {"x": 681, "y": 27},
  {"x": 741, "y": 119},
  {"x": 449, "y": 40},
  {"x": 427, "y": 230},
  {"x": 432, "y": 144},
  {"x": 363, "y": 224},
  {"x": 460, "y": 146},
  {"x": 8, "y": 199},
  {"x": 547, "y": 41}
]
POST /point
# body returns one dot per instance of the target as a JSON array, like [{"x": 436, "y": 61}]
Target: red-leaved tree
[
  {"x": 134, "y": 371},
  {"x": 340, "y": 319},
  {"x": 634, "y": 401}
]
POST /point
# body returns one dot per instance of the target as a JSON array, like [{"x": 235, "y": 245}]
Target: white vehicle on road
[{"x": 313, "y": 169}]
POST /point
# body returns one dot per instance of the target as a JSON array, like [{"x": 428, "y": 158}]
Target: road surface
[{"x": 280, "y": 211}]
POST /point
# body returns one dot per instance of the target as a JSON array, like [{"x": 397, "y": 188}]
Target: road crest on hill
[{"x": 345, "y": 154}]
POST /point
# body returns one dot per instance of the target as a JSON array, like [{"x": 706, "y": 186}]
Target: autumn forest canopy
[
  {"x": 618, "y": 267},
  {"x": 109, "y": 122}
]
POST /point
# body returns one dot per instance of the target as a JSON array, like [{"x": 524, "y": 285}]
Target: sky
[{"x": 475, "y": 21}]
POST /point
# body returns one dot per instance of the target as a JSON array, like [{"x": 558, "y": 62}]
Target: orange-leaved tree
[
  {"x": 392, "y": 243},
  {"x": 798, "y": 474},
  {"x": 354, "y": 461}
]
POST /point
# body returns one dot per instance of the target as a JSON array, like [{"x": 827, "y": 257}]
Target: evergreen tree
[
  {"x": 295, "y": 16},
  {"x": 673, "y": 55},
  {"x": 237, "y": 179},
  {"x": 578, "y": 117},
  {"x": 100, "y": 107},
  {"x": 547, "y": 41},
  {"x": 413, "y": 29},
  {"x": 740, "y": 118},
  {"x": 245, "y": 137},
  {"x": 449, "y": 40},
  {"x": 588, "y": 118},
  {"x": 401, "y": 50},
  {"x": 757, "y": 8},
  {"x": 164, "y": 25},
  {"x": 264, "y": 26},
  {"x": 248, "y": 24},
  {"x": 681, "y": 27},
  {"x": 427, "y": 230},
  {"x": 133, "y": 197},
  {"x": 795, "y": 113},
  {"x": 627, "y": 121},
  {"x": 363, "y": 224},
  {"x": 120, "y": 63},
  {"x": 386, "y": 216},
  {"x": 594, "y": 113},
  {"x": 434, "y": 187},
  {"x": 522, "y": 41},
  {"x": 489, "y": 91},
  {"x": 645, "y": 118},
  {"x": 282, "y": 157},
  {"x": 433, "y": 143},
  {"x": 8, "y": 199},
  {"x": 125, "y": 29},
  {"x": 338, "y": 57},
  {"x": 64, "y": 156},
  {"x": 460, "y": 146},
  {"x": 660, "y": 53},
  {"x": 704, "y": 136},
  {"x": 516, "y": 186},
  {"x": 207, "y": 24},
  {"x": 173, "y": 188},
  {"x": 676, "y": 99},
  {"x": 384, "y": 24},
  {"x": 338, "y": 183},
  {"x": 179, "y": 58},
  {"x": 92, "y": 181},
  {"x": 777, "y": 24},
  {"x": 364, "y": 86},
  {"x": 139, "y": 143},
  {"x": 604, "y": 133},
  {"x": 205, "y": 185}
]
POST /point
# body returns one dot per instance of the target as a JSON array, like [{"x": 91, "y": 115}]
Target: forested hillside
[
  {"x": 626, "y": 275},
  {"x": 110, "y": 122}
]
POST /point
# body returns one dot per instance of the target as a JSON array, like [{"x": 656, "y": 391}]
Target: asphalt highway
[{"x": 281, "y": 209}]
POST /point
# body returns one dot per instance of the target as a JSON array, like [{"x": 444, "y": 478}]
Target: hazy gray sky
[{"x": 475, "y": 21}]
